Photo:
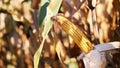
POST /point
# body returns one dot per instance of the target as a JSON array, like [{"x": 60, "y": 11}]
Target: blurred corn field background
[{"x": 30, "y": 38}]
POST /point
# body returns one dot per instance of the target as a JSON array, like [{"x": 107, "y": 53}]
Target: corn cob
[{"x": 77, "y": 35}]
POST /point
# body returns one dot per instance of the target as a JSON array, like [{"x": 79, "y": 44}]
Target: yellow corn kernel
[{"x": 77, "y": 35}]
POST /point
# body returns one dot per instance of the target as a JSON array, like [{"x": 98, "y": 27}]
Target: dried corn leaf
[{"x": 58, "y": 44}]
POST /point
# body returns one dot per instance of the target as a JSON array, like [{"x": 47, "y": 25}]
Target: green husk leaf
[
  {"x": 52, "y": 10},
  {"x": 71, "y": 63}
]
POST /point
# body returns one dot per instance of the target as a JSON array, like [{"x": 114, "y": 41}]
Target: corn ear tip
[{"x": 53, "y": 18}]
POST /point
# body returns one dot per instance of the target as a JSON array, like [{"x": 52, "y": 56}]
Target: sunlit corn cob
[{"x": 77, "y": 35}]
